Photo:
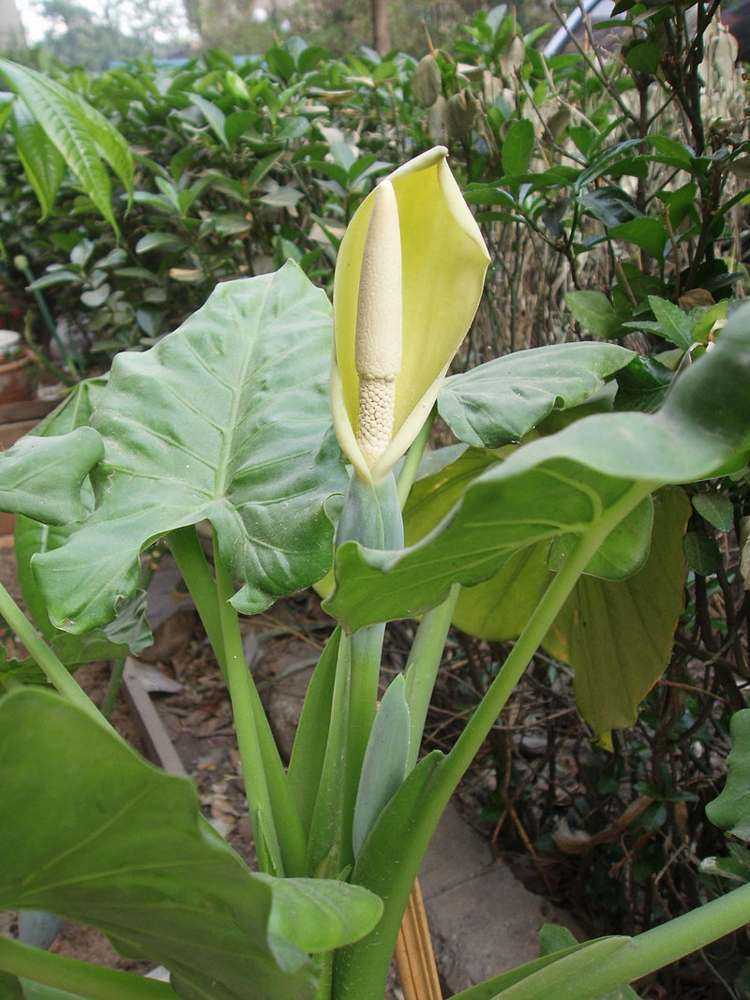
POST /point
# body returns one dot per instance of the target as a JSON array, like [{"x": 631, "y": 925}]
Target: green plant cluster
[
  {"x": 610, "y": 176},
  {"x": 609, "y": 184}
]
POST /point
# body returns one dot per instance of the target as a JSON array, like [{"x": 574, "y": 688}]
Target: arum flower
[{"x": 409, "y": 277}]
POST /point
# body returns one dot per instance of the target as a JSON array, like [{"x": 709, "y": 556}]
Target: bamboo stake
[{"x": 415, "y": 958}]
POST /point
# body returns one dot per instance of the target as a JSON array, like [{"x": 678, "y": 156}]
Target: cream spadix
[
  {"x": 386, "y": 374},
  {"x": 379, "y": 319}
]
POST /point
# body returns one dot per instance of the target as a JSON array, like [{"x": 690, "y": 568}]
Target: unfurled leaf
[
  {"x": 593, "y": 632},
  {"x": 213, "y": 115},
  {"x": 560, "y": 485},
  {"x": 129, "y": 853},
  {"x": 82, "y": 136},
  {"x": 647, "y": 233},
  {"x": 702, "y": 553},
  {"x": 504, "y": 399},
  {"x": 716, "y": 508},
  {"x": 41, "y": 159},
  {"x": 224, "y": 420},
  {"x": 518, "y": 148},
  {"x": 674, "y": 324},
  {"x": 129, "y": 632}
]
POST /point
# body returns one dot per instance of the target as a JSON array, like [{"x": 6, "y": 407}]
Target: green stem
[
  {"x": 196, "y": 573},
  {"x": 325, "y": 974},
  {"x": 241, "y": 685},
  {"x": 113, "y": 688},
  {"x": 193, "y": 566},
  {"x": 54, "y": 670},
  {"x": 658, "y": 947},
  {"x": 479, "y": 725},
  {"x": 366, "y": 656},
  {"x": 422, "y": 668},
  {"x": 409, "y": 469},
  {"x": 80, "y": 978},
  {"x": 362, "y": 970}
]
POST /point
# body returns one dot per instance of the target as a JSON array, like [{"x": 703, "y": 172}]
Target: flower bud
[{"x": 427, "y": 83}]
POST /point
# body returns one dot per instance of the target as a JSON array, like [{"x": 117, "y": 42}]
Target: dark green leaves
[
  {"x": 80, "y": 135},
  {"x": 517, "y": 148},
  {"x": 225, "y": 420},
  {"x": 502, "y": 400}
]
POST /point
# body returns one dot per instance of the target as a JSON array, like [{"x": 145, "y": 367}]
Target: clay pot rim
[{"x": 26, "y": 359}]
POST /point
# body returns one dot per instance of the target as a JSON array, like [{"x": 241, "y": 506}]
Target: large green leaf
[
  {"x": 560, "y": 486},
  {"x": 40, "y": 158},
  {"x": 124, "y": 848},
  {"x": 502, "y": 400},
  {"x": 224, "y": 420},
  {"x": 594, "y": 631},
  {"x": 129, "y": 631},
  {"x": 730, "y": 811},
  {"x": 81, "y": 135},
  {"x": 43, "y": 477}
]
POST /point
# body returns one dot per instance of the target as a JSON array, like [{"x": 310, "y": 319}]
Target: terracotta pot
[{"x": 17, "y": 379}]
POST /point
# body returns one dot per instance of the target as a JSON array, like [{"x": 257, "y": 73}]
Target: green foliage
[
  {"x": 571, "y": 480},
  {"x": 219, "y": 419},
  {"x": 162, "y": 884},
  {"x": 551, "y": 513}
]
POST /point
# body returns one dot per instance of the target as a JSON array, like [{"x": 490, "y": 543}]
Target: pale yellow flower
[{"x": 409, "y": 278}]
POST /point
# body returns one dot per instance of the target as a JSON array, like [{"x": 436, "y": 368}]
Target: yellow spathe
[{"x": 443, "y": 262}]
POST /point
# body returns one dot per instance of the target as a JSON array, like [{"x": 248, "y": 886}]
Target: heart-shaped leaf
[
  {"x": 560, "y": 485},
  {"x": 129, "y": 853},
  {"x": 224, "y": 420},
  {"x": 504, "y": 399}
]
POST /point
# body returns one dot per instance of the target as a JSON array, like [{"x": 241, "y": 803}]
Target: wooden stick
[{"x": 415, "y": 958}]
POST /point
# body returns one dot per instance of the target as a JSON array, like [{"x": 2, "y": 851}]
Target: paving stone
[{"x": 482, "y": 919}]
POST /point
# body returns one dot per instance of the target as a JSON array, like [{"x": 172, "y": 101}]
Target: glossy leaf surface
[{"x": 224, "y": 420}]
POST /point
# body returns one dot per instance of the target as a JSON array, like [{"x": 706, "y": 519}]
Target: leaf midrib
[{"x": 222, "y": 468}]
